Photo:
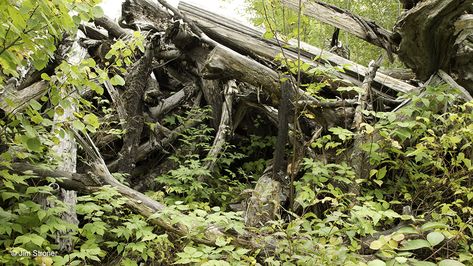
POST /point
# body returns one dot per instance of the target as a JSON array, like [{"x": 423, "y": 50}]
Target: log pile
[{"x": 194, "y": 58}]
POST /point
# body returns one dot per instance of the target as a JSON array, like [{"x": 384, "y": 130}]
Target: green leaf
[
  {"x": 35, "y": 105},
  {"x": 78, "y": 125},
  {"x": 117, "y": 80},
  {"x": 92, "y": 120},
  {"x": 375, "y": 245},
  {"x": 33, "y": 238},
  {"x": 449, "y": 262},
  {"x": 45, "y": 76},
  {"x": 376, "y": 263},
  {"x": 401, "y": 260},
  {"x": 33, "y": 144},
  {"x": 433, "y": 225},
  {"x": 97, "y": 12},
  {"x": 407, "y": 230},
  {"x": 8, "y": 195},
  {"x": 435, "y": 238},
  {"x": 415, "y": 244},
  {"x": 221, "y": 241}
]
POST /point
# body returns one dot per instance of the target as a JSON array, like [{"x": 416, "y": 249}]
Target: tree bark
[{"x": 136, "y": 83}]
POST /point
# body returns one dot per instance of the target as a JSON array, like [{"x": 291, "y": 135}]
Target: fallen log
[
  {"x": 343, "y": 19},
  {"x": 136, "y": 83},
  {"x": 248, "y": 41},
  {"x": 224, "y": 128}
]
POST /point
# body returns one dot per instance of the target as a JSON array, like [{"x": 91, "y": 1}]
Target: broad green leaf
[
  {"x": 33, "y": 144},
  {"x": 35, "y": 105},
  {"x": 375, "y": 245},
  {"x": 415, "y": 244},
  {"x": 401, "y": 260},
  {"x": 449, "y": 262},
  {"x": 8, "y": 195},
  {"x": 78, "y": 125},
  {"x": 117, "y": 80},
  {"x": 376, "y": 263},
  {"x": 398, "y": 237},
  {"x": 433, "y": 225},
  {"x": 435, "y": 238},
  {"x": 407, "y": 230},
  {"x": 92, "y": 120},
  {"x": 45, "y": 76}
]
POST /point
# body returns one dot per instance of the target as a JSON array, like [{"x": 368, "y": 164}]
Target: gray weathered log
[
  {"x": 136, "y": 83},
  {"x": 13, "y": 101},
  {"x": 172, "y": 101},
  {"x": 224, "y": 129},
  {"x": 248, "y": 41},
  {"x": 359, "y": 158},
  {"x": 343, "y": 19},
  {"x": 66, "y": 148},
  {"x": 114, "y": 30}
]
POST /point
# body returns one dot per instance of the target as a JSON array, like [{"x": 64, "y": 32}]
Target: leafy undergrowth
[{"x": 414, "y": 208}]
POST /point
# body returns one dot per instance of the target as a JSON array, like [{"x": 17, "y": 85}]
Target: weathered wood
[
  {"x": 13, "y": 101},
  {"x": 223, "y": 62},
  {"x": 213, "y": 96},
  {"x": 117, "y": 102},
  {"x": 358, "y": 157},
  {"x": 136, "y": 83},
  {"x": 463, "y": 69},
  {"x": 224, "y": 128},
  {"x": 114, "y": 30},
  {"x": 365, "y": 94},
  {"x": 144, "y": 15},
  {"x": 92, "y": 32},
  {"x": 172, "y": 101},
  {"x": 284, "y": 111},
  {"x": 343, "y": 19},
  {"x": 427, "y": 35},
  {"x": 265, "y": 201},
  {"x": 66, "y": 148},
  {"x": 248, "y": 41},
  {"x": 148, "y": 147}
]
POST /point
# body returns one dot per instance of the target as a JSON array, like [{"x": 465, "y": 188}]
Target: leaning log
[
  {"x": 360, "y": 27},
  {"x": 224, "y": 128},
  {"x": 136, "y": 84},
  {"x": 248, "y": 41}
]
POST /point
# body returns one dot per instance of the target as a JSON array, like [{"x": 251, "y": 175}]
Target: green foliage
[
  {"x": 32, "y": 28},
  {"x": 419, "y": 159},
  {"x": 190, "y": 180}
]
